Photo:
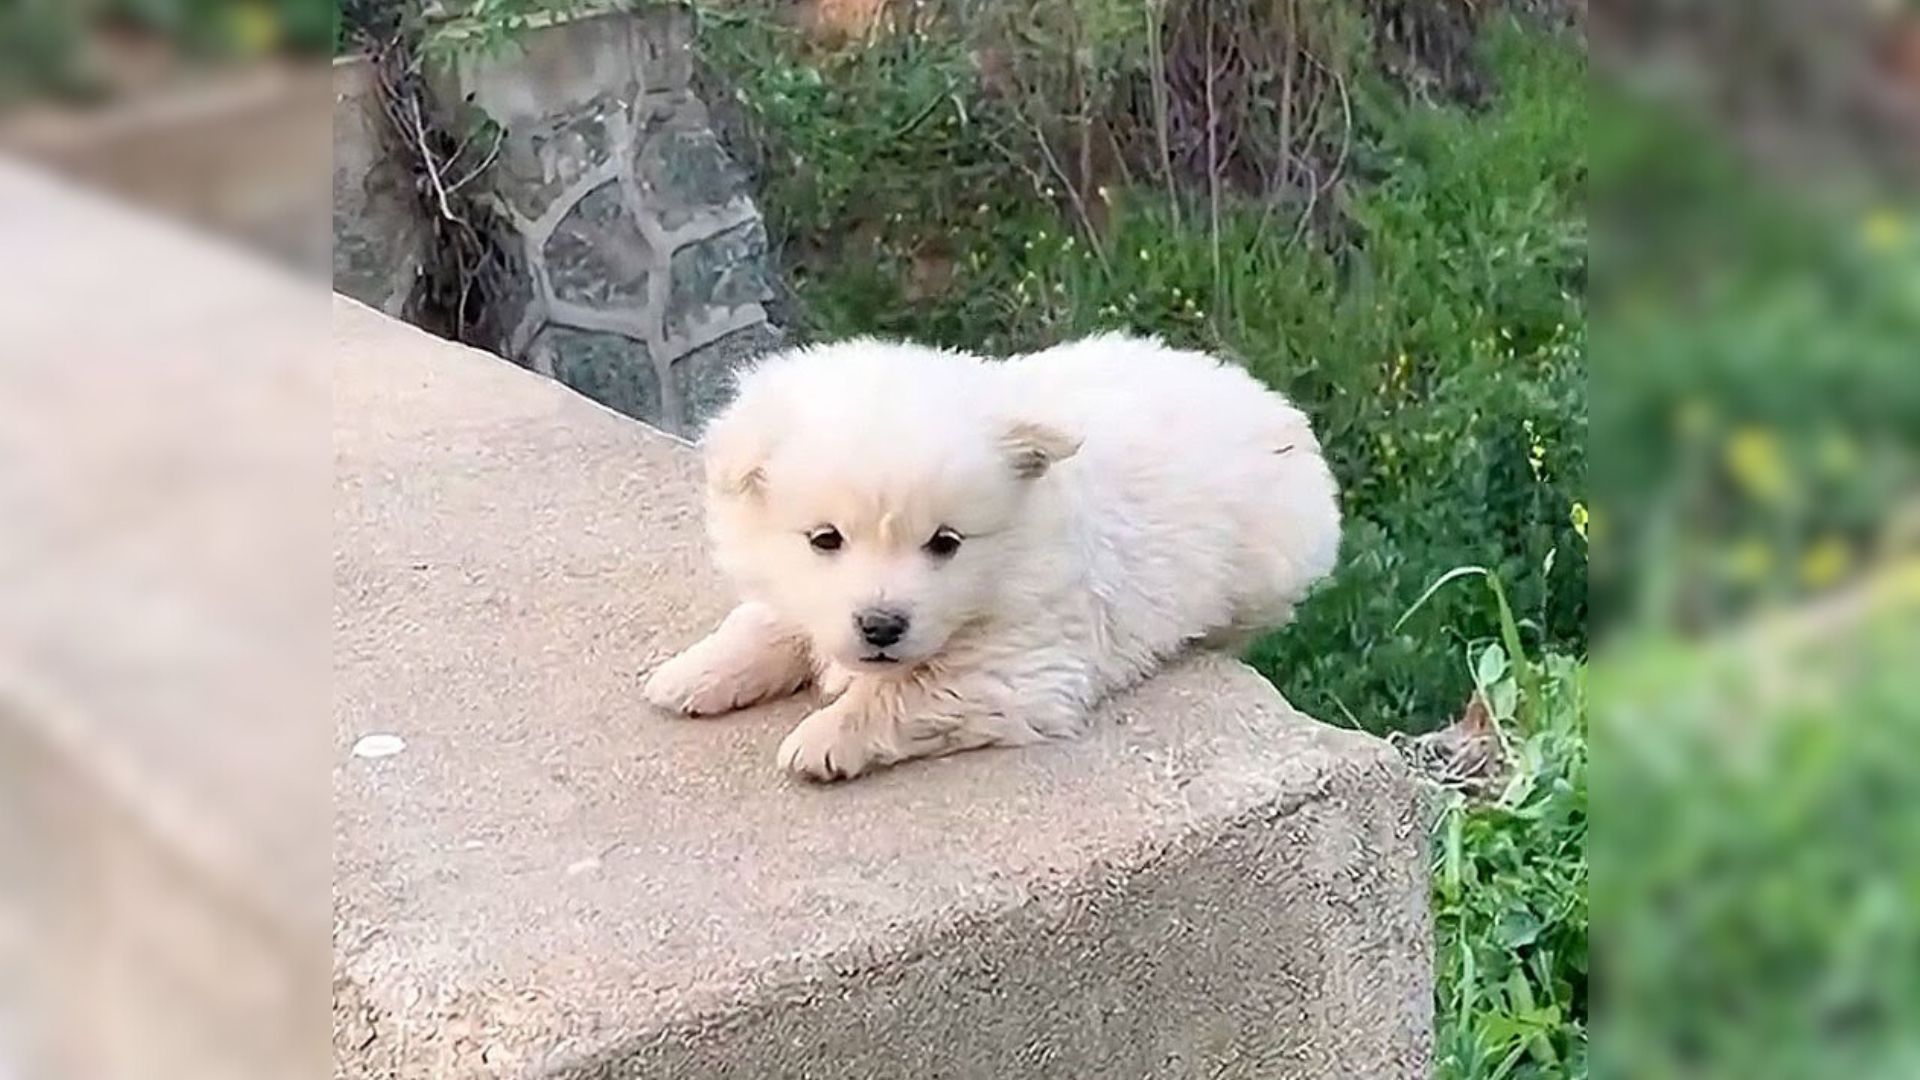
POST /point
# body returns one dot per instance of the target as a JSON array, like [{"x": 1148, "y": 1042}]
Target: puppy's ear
[
  {"x": 734, "y": 474},
  {"x": 735, "y": 448},
  {"x": 1033, "y": 448}
]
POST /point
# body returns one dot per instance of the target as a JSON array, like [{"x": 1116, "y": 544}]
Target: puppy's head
[{"x": 877, "y": 495}]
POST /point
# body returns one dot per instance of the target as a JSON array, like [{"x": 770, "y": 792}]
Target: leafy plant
[
  {"x": 1760, "y": 846},
  {"x": 1510, "y": 860},
  {"x": 1510, "y": 894},
  {"x": 488, "y": 27}
]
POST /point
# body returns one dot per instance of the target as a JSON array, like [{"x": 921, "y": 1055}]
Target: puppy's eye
[
  {"x": 943, "y": 543},
  {"x": 825, "y": 538}
]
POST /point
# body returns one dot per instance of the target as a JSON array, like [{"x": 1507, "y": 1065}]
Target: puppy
[{"x": 963, "y": 553}]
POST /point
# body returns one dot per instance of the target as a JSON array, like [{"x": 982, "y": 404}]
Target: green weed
[
  {"x": 1510, "y": 896},
  {"x": 1510, "y": 860},
  {"x": 1762, "y": 858},
  {"x": 1761, "y": 863}
]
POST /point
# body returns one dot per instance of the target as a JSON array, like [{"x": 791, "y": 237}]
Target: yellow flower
[
  {"x": 1754, "y": 459},
  {"x": 1825, "y": 562},
  {"x": 1883, "y": 230},
  {"x": 254, "y": 28},
  {"x": 1580, "y": 517}
]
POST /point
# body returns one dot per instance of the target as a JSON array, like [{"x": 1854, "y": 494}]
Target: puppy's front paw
[
  {"x": 832, "y": 681},
  {"x": 827, "y": 747},
  {"x": 689, "y": 684}
]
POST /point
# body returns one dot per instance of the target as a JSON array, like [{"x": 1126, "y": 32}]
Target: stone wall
[{"x": 640, "y": 264}]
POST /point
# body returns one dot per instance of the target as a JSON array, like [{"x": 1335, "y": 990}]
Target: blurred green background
[
  {"x": 78, "y": 50},
  {"x": 1756, "y": 593}
]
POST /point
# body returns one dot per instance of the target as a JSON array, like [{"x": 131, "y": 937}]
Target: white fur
[{"x": 1120, "y": 502}]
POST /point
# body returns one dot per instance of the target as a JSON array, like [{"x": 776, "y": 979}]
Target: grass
[
  {"x": 1510, "y": 871},
  {"x": 1510, "y": 904},
  {"x": 1762, "y": 602},
  {"x": 1759, "y": 364},
  {"x": 1763, "y": 860},
  {"x": 1436, "y": 331}
]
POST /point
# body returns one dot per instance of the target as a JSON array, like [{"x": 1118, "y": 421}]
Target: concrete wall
[{"x": 551, "y": 880}]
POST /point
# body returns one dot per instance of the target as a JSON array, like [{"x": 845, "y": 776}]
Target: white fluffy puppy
[{"x": 965, "y": 553}]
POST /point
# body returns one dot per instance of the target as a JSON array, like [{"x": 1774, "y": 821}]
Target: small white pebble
[
  {"x": 378, "y": 746},
  {"x": 584, "y": 866}
]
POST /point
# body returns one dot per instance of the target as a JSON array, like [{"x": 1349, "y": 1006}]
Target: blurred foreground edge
[
  {"x": 244, "y": 154},
  {"x": 163, "y": 521}
]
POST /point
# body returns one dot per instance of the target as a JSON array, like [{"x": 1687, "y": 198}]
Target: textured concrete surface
[
  {"x": 550, "y": 879},
  {"x": 163, "y": 738}
]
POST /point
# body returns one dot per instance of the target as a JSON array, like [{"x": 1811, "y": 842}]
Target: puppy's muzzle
[{"x": 881, "y": 627}]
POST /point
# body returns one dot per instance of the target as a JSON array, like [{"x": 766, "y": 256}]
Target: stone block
[
  {"x": 556, "y": 69},
  {"x": 613, "y": 369},
  {"x": 623, "y": 213},
  {"x": 543, "y": 158},
  {"x": 596, "y": 255},
  {"x": 552, "y": 880},
  {"x": 514, "y": 309},
  {"x": 683, "y": 170},
  {"x": 663, "y": 48},
  {"x": 708, "y": 278}
]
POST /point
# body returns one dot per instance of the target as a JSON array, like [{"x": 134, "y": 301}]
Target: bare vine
[
  {"x": 466, "y": 267},
  {"x": 1220, "y": 100}
]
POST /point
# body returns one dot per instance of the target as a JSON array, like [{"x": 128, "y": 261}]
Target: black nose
[{"x": 881, "y": 628}]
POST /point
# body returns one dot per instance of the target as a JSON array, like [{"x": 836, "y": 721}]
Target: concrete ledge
[{"x": 552, "y": 880}]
